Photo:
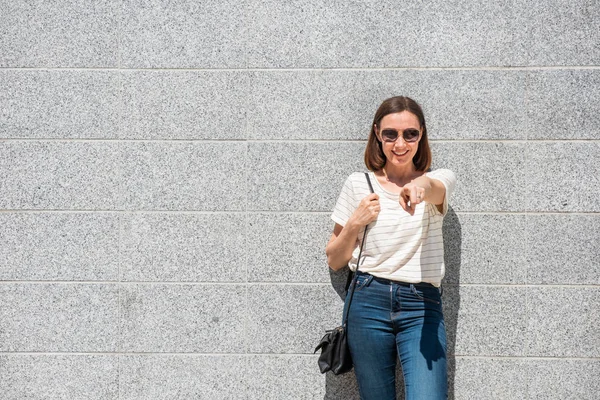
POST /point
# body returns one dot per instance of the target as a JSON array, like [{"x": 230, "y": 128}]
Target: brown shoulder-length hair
[{"x": 374, "y": 157}]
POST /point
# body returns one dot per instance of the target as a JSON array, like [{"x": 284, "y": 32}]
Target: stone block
[
  {"x": 59, "y": 246},
  {"x": 288, "y": 247},
  {"x": 184, "y": 34},
  {"x": 82, "y": 376},
  {"x": 293, "y": 318},
  {"x": 488, "y": 378},
  {"x": 489, "y": 175},
  {"x": 184, "y": 105},
  {"x": 485, "y": 320},
  {"x": 184, "y": 247},
  {"x": 563, "y": 176},
  {"x": 560, "y": 379},
  {"x": 563, "y": 104},
  {"x": 563, "y": 322},
  {"x": 64, "y": 33},
  {"x": 183, "y": 376},
  {"x": 300, "y": 176},
  {"x": 190, "y": 176},
  {"x": 563, "y": 249},
  {"x": 561, "y": 32},
  {"x": 59, "y": 317},
  {"x": 59, "y": 175},
  {"x": 58, "y": 104},
  {"x": 318, "y": 34},
  {"x": 179, "y": 318},
  {"x": 485, "y": 248},
  {"x": 284, "y": 377}
]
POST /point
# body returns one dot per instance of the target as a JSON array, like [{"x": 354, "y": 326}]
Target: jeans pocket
[{"x": 429, "y": 297}]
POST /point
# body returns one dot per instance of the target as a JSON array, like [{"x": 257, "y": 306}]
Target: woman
[{"x": 396, "y": 311}]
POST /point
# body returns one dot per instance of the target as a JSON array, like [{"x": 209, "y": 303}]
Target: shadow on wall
[
  {"x": 451, "y": 296},
  {"x": 345, "y": 386}
]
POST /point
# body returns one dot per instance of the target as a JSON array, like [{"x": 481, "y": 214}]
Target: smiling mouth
[{"x": 400, "y": 154}]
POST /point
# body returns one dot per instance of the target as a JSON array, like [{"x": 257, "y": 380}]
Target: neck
[{"x": 399, "y": 175}]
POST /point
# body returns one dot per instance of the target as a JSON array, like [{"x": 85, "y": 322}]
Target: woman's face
[{"x": 399, "y": 153}]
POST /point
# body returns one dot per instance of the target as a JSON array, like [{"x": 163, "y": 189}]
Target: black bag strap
[{"x": 352, "y": 277}]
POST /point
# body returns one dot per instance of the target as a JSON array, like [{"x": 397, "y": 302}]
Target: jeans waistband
[{"x": 401, "y": 283}]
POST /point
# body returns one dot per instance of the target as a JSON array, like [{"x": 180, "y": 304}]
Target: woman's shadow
[{"x": 344, "y": 387}]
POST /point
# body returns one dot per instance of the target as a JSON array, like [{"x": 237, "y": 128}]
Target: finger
[
  {"x": 413, "y": 196},
  {"x": 410, "y": 208},
  {"x": 402, "y": 201},
  {"x": 420, "y": 195}
]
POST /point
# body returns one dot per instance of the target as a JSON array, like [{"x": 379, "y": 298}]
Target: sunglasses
[{"x": 409, "y": 135}]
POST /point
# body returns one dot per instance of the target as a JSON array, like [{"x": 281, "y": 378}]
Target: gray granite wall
[{"x": 167, "y": 170}]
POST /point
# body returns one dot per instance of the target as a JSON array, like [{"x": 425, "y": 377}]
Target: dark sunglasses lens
[
  {"x": 389, "y": 135},
  {"x": 410, "y": 135}
]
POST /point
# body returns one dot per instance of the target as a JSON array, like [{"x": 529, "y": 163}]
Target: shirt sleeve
[
  {"x": 345, "y": 205},
  {"x": 448, "y": 179}
]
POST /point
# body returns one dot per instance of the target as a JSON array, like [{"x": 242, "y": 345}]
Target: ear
[{"x": 377, "y": 135}]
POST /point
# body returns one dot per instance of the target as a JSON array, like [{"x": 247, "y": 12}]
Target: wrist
[{"x": 352, "y": 225}]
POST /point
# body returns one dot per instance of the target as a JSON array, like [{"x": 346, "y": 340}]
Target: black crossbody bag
[{"x": 335, "y": 354}]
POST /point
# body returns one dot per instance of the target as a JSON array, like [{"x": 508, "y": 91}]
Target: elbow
[{"x": 334, "y": 266}]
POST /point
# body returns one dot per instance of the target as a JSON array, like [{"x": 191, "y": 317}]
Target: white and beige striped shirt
[{"x": 399, "y": 246}]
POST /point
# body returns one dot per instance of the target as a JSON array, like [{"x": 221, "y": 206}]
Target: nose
[{"x": 400, "y": 142}]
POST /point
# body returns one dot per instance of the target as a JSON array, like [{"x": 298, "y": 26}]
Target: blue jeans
[{"x": 387, "y": 320}]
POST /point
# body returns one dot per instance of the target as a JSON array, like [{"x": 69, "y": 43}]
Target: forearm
[
  {"x": 340, "y": 247},
  {"x": 434, "y": 189}
]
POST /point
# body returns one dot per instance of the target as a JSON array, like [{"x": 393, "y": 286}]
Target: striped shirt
[{"x": 399, "y": 246}]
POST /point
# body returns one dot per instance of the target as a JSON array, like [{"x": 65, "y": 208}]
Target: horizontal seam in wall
[
  {"x": 322, "y": 69},
  {"x": 285, "y": 141},
  {"x": 268, "y": 283},
  {"x": 275, "y": 212},
  {"x": 308, "y": 355}
]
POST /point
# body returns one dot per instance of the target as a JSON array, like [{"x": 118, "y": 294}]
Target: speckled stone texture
[
  {"x": 63, "y": 33},
  {"x": 563, "y": 104},
  {"x": 59, "y": 246},
  {"x": 32, "y": 376},
  {"x": 59, "y": 317},
  {"x": 184, "y": 105},
  {"x": 557, "y": 379},
  {"x": 563, "y": 249},
  {"x": 58, "y": 104},
  {"x": 289, "y": 176},
  {"x": 314, "y": 33},
  {"x": 485, "y": 320},
  {"x": 284, "y": 377},
  {"x": 180, "y": 318},
  {"x": 59, "y": 175},
  {"x": 184, "y": 34},
  {"x": 563, "y": 176},
  {"x": 290, "y": 318},
  {"x": 184, "y": 247},
  {"x": 288, "y": 247},
  {"x": 168, "y": 170},
  {"x": 485, "y": 248},
  {"x": 184, "y": 176},
  {"x": 485, "y": 171},
  {"x": 488, "y": 378},
  {"x": 561, "y": 32},
  {"x": 183, "y": 376},
  {"x": 332, "y": 104},
  {"x": 563, "y": 321}
]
